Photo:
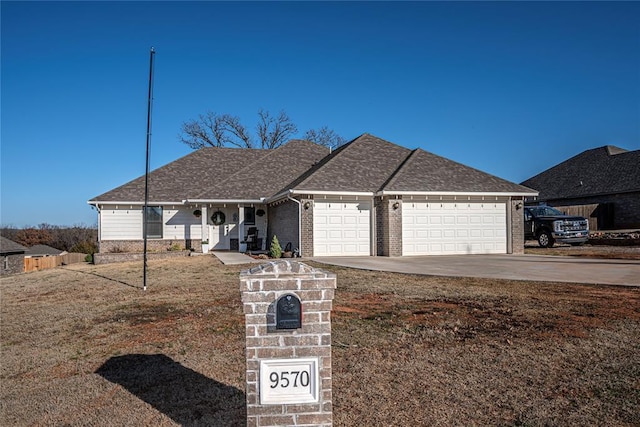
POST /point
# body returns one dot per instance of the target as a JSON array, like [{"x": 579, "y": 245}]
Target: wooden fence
[
  {"x": 600, "y": 215},
  {"x": 42, "y": 263}
]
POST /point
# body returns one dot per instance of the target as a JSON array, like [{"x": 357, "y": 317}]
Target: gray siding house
[{"x": 368, "y": 197}]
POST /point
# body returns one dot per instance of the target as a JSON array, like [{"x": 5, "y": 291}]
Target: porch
[{"x": 231, "y": 227}]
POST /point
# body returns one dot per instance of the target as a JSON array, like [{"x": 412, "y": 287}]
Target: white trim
[
  {"x": 230, "y": 201},
  {"x": 120, "y": 202},
  {"x": 333, "y": 193},
  {"x": 452, "y": 193}
]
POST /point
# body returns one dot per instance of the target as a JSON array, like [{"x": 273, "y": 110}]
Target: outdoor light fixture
[
  {"x": 518, "y": 206},
  {"x": 307, "y": 205},
  {"x": 396, "y": 205}
]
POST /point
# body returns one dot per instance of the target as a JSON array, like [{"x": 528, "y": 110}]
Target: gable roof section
[
  {"x": 268, "y": 174},
  {"x": 599, "y": 171},
  {"x": 186, "y": 177},
  {"x": 362, "y": 165},
  {"x": 42, "y": 250},
  {"x": 10, "y": 247},
  {"x": 424, "y": 172},
  {"x": 367, "y": 164}
]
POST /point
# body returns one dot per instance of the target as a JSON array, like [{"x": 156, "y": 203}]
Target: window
[
  {"x": 249, "y": 215},
  {"x": 154, "y": 222}
]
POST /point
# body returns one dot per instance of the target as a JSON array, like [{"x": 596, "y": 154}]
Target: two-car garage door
[
  {"x": 437, "y": 228},
  {"x": 341, "y": 228}
]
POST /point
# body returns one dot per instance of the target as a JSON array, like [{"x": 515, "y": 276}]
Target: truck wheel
[{"x": 545, "y": 240}]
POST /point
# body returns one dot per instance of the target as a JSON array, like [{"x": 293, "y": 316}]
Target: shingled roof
[
  {"x": 189, "y": 176},
  {"x": 362, "y": 165},
  {"x": 603, "y": 170},
  {"x": 427, "y": 172},
  {"x": 265, "y": 176},
  {"x": 10, "y": 247},
  {"x": 367, "y": 164}
]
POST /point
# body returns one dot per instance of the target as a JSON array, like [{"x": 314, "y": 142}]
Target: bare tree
[
  {"x": 324, "y": 136},
  {"x": 215, "y": 130},
  {"x": 274, "y": 131},
  {"x": 224, "y": 130}
]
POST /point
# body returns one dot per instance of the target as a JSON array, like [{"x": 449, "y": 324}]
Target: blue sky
[{"x": 510, "y": 88}]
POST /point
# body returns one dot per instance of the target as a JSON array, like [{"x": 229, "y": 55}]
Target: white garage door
[
  {"x": 341, "y": 228},
  {"x": 454, "y": 228}
]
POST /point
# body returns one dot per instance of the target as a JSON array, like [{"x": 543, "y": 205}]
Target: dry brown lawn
[{"x": 84, "y": 345}]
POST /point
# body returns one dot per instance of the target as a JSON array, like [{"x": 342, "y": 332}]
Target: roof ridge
[
  {"x": 326, "y": 159},
  {"x": 268, "y": 153},
  {"x": 398, "y": 169}
]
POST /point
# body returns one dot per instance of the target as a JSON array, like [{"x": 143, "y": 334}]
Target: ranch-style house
[{"x": 368, "y": 197}]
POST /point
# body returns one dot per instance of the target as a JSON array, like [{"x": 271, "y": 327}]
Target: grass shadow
[
  {"x": 91, "y": 273},
  {"x": 184, "y": 395}
]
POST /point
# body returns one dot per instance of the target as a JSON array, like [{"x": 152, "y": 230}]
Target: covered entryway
[
  {"x": 341, "y": 227},
  {"x": 454, "y": 227}
]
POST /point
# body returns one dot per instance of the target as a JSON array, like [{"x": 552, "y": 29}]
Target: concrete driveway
[{"x": 516, "y": 267}]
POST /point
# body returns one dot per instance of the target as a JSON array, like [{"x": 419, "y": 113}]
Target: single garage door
[
  {"x": 341, "y": 228},
  {"x": 441, "y": 228}
]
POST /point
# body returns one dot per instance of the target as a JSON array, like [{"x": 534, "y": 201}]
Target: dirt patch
[{"x": 84, "y": 345}]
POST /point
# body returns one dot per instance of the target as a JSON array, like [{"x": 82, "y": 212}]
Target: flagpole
[{"x": 146, "y": 174}]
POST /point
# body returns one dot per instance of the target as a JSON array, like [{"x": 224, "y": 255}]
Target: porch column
[
  {"x": 203, "y": 222},
  {"x": 242, "y": 247}
]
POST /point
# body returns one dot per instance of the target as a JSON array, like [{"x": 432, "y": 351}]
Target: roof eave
[
  {"x": 230, "y": 201},
  {"x": 456, "y": 193}
]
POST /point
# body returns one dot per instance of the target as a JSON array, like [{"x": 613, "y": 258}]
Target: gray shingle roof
[
  {"x": 186, "y": 177},
  {"x": 269, "y": 173},
  {"x": 362, "y": 165},
  {"x": 603, "y": 170},
  {"x": 42, "y": 250},
  {"x": 427, "y": 172},
  {"x": 10, "y": 247},
  {"x": 366, "y": 164}
]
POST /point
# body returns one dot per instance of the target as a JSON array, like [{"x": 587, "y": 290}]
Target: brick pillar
[
  {"x": 516, "y": 233},
  {"x": 291, "y": 366},
  {"x": 306, "y": 245},
  {"x": 389, "y": 226}
]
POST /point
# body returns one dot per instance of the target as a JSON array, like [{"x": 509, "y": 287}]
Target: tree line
[{"x": 78, "y": 238}]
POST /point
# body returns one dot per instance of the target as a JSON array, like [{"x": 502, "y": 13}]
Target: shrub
[
  {"x": 275, "y": 251},
  {"x": 85, "y": 247}
]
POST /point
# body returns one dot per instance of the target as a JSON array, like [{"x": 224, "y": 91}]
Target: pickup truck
[{"x": 548, "y": 225}]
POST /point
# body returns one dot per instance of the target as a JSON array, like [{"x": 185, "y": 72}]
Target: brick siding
[
  {"x": 283, "y": 222},
  {"x": 517, "y": 226},
  {"x": 388, "y": 226}
]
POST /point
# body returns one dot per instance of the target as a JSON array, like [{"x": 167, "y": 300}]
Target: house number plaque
[{"x": 284, "y": 381}]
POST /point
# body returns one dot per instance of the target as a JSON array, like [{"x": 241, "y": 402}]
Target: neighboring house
[
  {"x": 12, "y": 255},
  {"x": 605, "y": 181},
  {"x": 368, "y": 197},
  {"x": 43, "y": 251}
]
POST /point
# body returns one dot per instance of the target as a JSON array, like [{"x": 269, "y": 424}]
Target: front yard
[{"x": 84, "y": 345}]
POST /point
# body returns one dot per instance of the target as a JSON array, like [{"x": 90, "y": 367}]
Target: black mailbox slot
[{"x": 288, "y": 312}]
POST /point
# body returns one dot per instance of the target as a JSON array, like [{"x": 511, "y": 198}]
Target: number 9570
[{"x": 289, "y": 379}]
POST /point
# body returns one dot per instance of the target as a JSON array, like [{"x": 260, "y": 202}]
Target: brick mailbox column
[{"x": 287, "y": 306}]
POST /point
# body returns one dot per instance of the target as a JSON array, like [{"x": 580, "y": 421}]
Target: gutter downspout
[{"x": 299, "y": 221}]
